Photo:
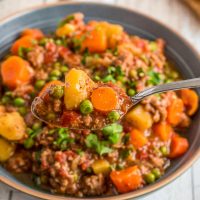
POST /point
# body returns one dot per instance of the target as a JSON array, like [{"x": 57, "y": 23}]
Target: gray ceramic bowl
[{"x": 178, "y": 50}]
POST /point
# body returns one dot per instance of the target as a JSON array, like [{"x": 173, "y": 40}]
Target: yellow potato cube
[
  {"x": 77, "y": 87},
  {"x": 12, "y": 126},
  {"x": 65, "y": 30},
  {"x": 101, "y": 166},
  {"x": 6, "y": 150},
  {"x": 139, "y": 118}
]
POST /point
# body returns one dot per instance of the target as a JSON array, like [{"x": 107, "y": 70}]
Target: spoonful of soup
[{"x": 80, "y": 103}]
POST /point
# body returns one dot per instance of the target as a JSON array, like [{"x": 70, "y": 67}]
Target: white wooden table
[{"x": 180, "y": 18}]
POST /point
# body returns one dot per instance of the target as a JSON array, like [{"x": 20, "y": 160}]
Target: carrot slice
[
  {"x": 34, "y": 33},
  {"x": 26, "y": 42},
  {"x": 96, "y": 41},
  {"x": 163, "y": 130},
  {"x": 104, "y": 99},
  {"x": 127, "y": 179},
  {"x": 137, "y": 139},
  {"x": 190, "y": 100},
  {"x": 178, "y": 147},
  {"x": 15, "y": 71},
  {"x": 175, "y": 111}
]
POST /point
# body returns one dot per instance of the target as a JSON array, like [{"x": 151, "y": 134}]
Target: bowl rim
[{"x": 144, "y": 191}]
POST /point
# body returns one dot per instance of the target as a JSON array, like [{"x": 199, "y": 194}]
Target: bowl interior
[{"x": 177, "y": 50}]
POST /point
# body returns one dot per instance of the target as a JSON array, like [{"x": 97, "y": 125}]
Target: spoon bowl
[
  {"x": 53, "y": 110},
  {"x": 40, "y": 107}
]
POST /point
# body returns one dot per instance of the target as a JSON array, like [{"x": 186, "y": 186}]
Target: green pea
[
  {"x": 96, "y": 78},
  {"x": 18, "y": 102},
  {"x": 86, "y": 107},
  {"x": 113, "y": 116},
  {"x": 64, "y": 69},
  {"x": 156, "y": 172},
  {"x": 150, "y": 178},
  {"x": 39, "y": 84},
  {"x": 89, "y": 170},
  {"x": 164, "y": 150},
  {"x": 51, "y": 116},
  {"x": 80, "y": 152},
  {"x": 52, "y": 131},
  {"x": 28, "y": 143},
  {"x": 9, "y": 93},
  {"x": 57, "y": 65},
  {"x": 57, "y": 91},
  {"x": 58, "y": 42},
  {"x": 140, "y": 72},
  {"x": 119, "y": 167},
  {"x": 56, "y": 73},
  {"x": 53, "y": 78},
  {"x": 29, "y": 131},
  {"x": 43, "y": 41},
  {"x": 35, "y": 133},
  {"x": 5, "y": 99},
  {"x": 153, "y": 46},
  {"x": 121, "y": 79},
  {"x": 36, "y": 126},
  {"x": 22, "y": 110},
  {"x": 131, "y": 92}
]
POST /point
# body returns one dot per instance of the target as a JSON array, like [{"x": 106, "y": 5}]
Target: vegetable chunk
[
  {"x": 139, "y": 118},
  {"x": 175, "y": 111},
  {"x": 113, "y": 32},
  {"x": 137, "y": 139},
  {"x": 96, "y": 41},
  {"x": 178, "y": 147},
  {"x": 127, "y": 179},
  {"x": 163, "y": 130},
  {"x": 35, "y": 33},
  {"x": 15, "y": 71},
  {"x": 6, "y": 150},
  {"x": 104, "y": 99},
  {"x": 190, "y": 100},
  {"x": 23, "y": 42},
  {"x": 77, "y": 88},
  {"x": 12, "y": 126},
  {"x": 101, "y": 166}
]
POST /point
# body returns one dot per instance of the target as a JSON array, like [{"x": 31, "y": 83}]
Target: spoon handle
[{"x": 190, "y": 83}]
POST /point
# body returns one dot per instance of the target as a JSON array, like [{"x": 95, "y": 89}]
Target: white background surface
[{"x": 176, "y": 15}]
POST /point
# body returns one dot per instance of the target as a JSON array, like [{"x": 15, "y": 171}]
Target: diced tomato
[{"x": 68, "y": 118}]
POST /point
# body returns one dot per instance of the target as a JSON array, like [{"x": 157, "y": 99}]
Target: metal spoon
[{"x": 190, "y": 83}]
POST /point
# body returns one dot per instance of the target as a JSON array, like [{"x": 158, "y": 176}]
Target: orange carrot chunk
[
  {"x": 178, "y": 147},
  {"x": 95, "y": 41},
  {"x": 15, "y": 71},
  {"x": 104, "y": 99},
  {"x": 162, "y": 130},
  {"x": 175, "y": 111},
  {"x": 127, "y": 179},
  {"x": 137, "y": 139},
  {"x": 25, "y": 42},
  {"x": 35, "y": 33},
  {"x": 190, "y": 100}
]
